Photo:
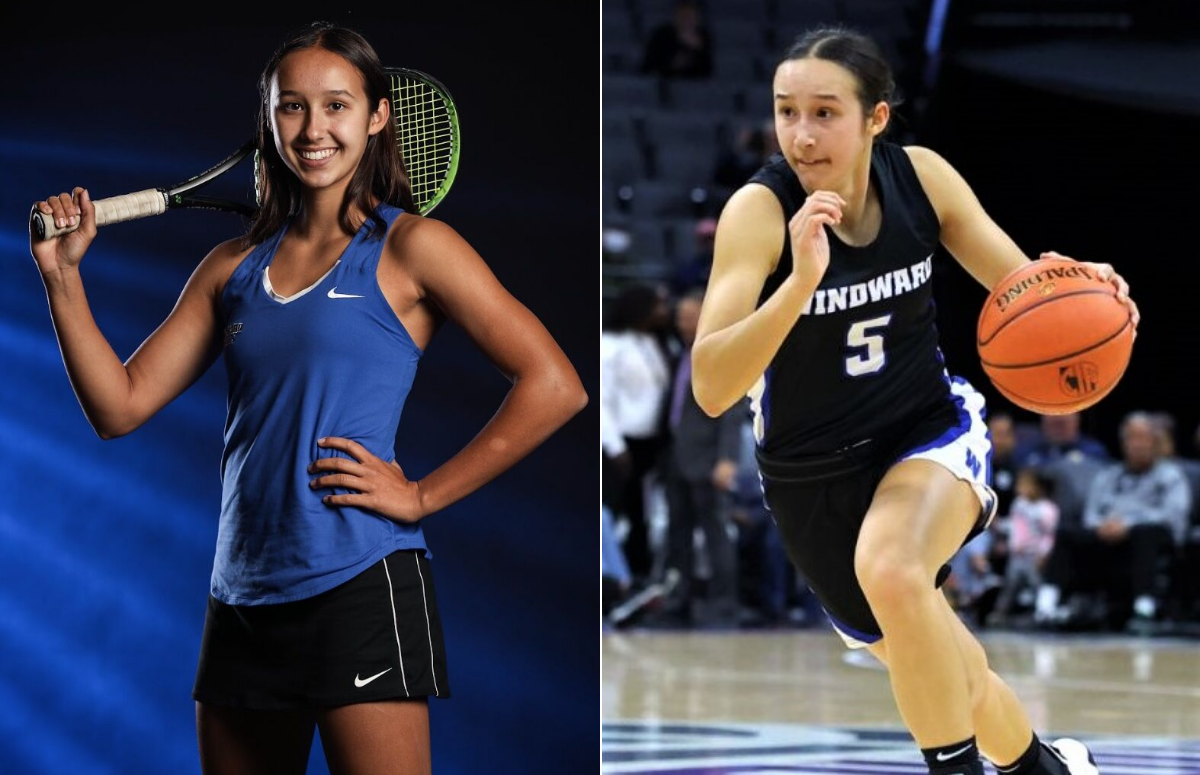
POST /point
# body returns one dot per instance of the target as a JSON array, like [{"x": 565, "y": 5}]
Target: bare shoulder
[
  {"x": 948, "y": 192},
  {"x": 415, "y": 236},
  {"x": 754, "y": 203},
  {"x": 927, "y": 162},
  {"x": 229, "y": 251},
  {"x": 750, "y": 231},
  {"x": 215, "y": 268},
  {"x": 430, "y": 251}
]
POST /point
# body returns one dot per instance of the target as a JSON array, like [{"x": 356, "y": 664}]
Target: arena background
[
  {"x": 106, "y": 547},
  {"x": 1074, "y": 121}
]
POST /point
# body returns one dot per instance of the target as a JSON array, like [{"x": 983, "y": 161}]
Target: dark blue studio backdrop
[{"x": 106, "y": 546}]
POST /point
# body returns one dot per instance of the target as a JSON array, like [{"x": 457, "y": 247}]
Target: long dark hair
[
  {"x": 380, "y": 175},
  {"x": 857, "y": 53}
]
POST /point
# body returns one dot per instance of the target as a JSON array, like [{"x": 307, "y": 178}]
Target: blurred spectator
[
  {"x": 1032, "y": 522},
  {"x": 1072, "y": 475},
  {"x": 702, "y": 465},
  {"x": 680, "y": 47},
  {"x": 1003, "y": 433},
  {"x": 634, "y": 378},
  {"x": 752, "y": 146},
  {"x": 1134, "y": 519},
  {"x": 973, "y": 582},
  {"x": 1071, "y": 460},
  {"x": 1060, "y": 437},
  {"x": 615, "y": 579},
  {"x": 616, "y": 464},
  {"x": 768, "y": 583},
  {"x": 1164, "y": 434},
  {"x": 1188, "y": 579},
  {"x": 694, "y": 272}
]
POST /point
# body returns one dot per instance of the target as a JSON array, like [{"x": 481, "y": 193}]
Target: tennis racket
[{"x": 427, "y": 134}]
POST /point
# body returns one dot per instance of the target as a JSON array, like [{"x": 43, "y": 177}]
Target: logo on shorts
[
  {"x": 973, "y": 463},
  {"x": 361, "y": 682}
]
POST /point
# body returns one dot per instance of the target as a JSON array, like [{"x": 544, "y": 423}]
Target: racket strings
[{"x": 424, "y": 129}]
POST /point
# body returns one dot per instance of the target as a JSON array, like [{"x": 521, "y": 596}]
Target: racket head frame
[{"x": 437, "y": 143}]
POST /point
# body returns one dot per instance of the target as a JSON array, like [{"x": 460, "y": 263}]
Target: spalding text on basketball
[{"x": 1035, "y": 280}]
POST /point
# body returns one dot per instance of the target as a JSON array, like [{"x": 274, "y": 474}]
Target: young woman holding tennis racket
[{"x": 321, "y": 611}]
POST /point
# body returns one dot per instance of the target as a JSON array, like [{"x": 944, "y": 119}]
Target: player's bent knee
[{"x": 891, "y": 582}]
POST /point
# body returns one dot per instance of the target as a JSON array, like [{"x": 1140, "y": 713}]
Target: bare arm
[
  {"x": 546, "y": 391},
  {"x": 974, "y": 239},
  {"x": 968, "y": 232},
  {"x": 119, "y": 397},
  {"x": 734, "y": 341}
]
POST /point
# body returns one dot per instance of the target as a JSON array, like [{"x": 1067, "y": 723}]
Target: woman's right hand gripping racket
[
  {"x": 427, "y": 134},
  {"x": 76, "y": 213}
]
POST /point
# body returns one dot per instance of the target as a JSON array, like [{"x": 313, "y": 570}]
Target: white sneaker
[
  {"x": 1046, "y": 602},
  {"x": 1145, "y": 607},
  {"x": 1075, "y": 755}
]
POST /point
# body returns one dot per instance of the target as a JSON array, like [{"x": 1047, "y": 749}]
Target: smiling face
[
  {"x": 321, "y": 117},
  {"x": 820, "y": 123}
]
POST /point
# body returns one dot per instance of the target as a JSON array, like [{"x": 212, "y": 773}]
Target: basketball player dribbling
[{"x": 874, "y": 459}]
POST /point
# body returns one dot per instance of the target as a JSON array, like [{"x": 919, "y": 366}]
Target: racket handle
[{"x": 113, "y": 209}]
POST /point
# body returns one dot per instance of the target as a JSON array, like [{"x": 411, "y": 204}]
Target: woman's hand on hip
[{"x": 381, "y": 487}]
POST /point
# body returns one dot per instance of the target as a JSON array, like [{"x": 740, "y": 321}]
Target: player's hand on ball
[
  {"x": 382, "y": 487},
  {"x": 1107, "y": 274}
]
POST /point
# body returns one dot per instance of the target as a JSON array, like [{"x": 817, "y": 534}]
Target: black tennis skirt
[{"x": 374, "y": 637}]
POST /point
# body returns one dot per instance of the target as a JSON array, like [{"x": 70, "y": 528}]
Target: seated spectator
[
  {"x": 1135, "y": 517},
  {"x": 680, "y": 47},
  {"x": 972, "y": 583},
  {"x": 1002, "y": 431},
  {"x": 1060, "y": 437},
  {"x": 1188, "y": 579},
  {"x": 1164, "y": 435},
  {"x": 1032, "y": 522},
  {"x": 1072, "y": 476}
]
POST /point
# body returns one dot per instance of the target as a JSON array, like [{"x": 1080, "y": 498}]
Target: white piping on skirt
[
  {"x": 428, "y": 630},
  {"x": 395, "y": 626}
]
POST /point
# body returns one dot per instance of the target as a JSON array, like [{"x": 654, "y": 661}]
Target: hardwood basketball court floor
[{"x": 788, "y": 702}]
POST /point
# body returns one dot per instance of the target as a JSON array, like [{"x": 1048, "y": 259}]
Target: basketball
[{"x": 1053, "y": 338}]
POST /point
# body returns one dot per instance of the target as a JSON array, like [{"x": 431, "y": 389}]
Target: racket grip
[{"x": 113, "y": 209}]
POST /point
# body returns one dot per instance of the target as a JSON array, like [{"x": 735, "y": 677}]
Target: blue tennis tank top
[{"x": 333, "y": 360}]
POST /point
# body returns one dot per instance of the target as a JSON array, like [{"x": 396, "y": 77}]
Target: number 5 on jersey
[{"x": 866, "y": 336}]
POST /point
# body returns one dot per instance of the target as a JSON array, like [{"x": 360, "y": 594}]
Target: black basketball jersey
[{"x": 864, "y": 354}]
